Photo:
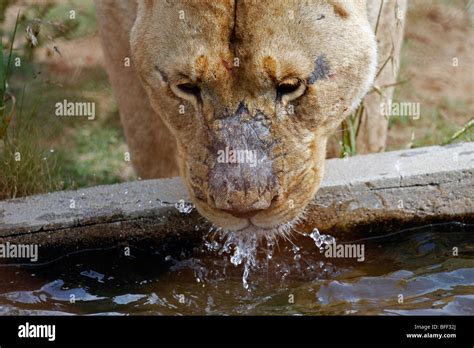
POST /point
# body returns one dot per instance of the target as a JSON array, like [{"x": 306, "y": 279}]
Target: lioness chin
[{"x": 246, "y": 94}]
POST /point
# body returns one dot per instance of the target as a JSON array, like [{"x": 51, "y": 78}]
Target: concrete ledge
[
  {"x": 380, "y": 193},
  {"x": 362, "y": 195}
]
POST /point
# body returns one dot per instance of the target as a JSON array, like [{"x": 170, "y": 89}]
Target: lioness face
[{"x": 252, "y": 90}]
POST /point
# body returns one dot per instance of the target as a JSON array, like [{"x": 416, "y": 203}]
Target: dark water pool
[{"x": 428, "y": 270}]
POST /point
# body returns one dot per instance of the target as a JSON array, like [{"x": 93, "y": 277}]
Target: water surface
[{"x": 410, "y": 272}]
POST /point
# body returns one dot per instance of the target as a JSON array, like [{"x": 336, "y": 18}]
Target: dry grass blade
[{"x": 460, "y": 132}]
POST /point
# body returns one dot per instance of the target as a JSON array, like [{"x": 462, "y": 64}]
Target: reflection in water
[{"x": 411, "y": 272}]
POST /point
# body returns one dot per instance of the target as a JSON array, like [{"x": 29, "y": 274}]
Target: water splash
[
  {"x": 321, "y": 240},
  {"x": 184, "y": 207},
  {"x": 244, "y": 250}
]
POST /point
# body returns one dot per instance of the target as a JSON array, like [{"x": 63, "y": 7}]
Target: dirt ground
[{"x": 438, "y": 35}]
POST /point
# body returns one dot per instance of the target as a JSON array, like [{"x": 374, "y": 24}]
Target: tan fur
[
  {"x": 151, "y": 145},
  {"x": 327, "y": 45}
]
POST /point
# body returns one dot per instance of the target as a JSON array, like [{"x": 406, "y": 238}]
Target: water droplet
[
  {"x": 270, "y": 245},
  {"x": 184, "y": 207},
  {"x": 321, "y": 240},
  {"x": 213, "y": 245}
]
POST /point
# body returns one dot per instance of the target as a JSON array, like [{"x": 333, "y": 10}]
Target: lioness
[{"x": 237, "y": 97}]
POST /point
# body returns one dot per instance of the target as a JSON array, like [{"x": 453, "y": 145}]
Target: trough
[{"x": 359, "y": 197}]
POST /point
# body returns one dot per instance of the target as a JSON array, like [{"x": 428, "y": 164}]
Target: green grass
[
  {"x": 27, "y": 169},
  {"x": 85, "y": 152},
  {"x": 98, "y": 158},
  {"x": 42, "y": 152}
]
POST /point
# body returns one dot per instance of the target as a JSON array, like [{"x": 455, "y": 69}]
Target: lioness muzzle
[{"x": 242, "y": 180}]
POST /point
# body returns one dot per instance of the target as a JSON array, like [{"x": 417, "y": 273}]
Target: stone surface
[
  {"x": 379, "y": 193},
  {"x": 363, "y": 195}
]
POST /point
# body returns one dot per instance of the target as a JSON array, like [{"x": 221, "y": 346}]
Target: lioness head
[{"x": 252, "y": 90}]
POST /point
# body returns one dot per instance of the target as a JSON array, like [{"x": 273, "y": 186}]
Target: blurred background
[{"x": 55, "y": 54}]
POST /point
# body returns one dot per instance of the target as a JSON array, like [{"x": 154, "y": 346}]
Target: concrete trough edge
[{"x": 362, "y": 195}]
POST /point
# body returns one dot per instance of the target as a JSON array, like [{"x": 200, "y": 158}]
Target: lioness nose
[{"x": 242, "y": 200}]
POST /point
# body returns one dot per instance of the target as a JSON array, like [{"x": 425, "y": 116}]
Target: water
[
  {"x": 411, "y": 272},
  {"x": 184, "y": 207}
]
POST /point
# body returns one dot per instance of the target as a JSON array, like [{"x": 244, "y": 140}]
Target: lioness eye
[
  {"x": 290, "y": 89},
  {"x": 189, "y": 88},
  {"x": 287, "y": 87}
]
